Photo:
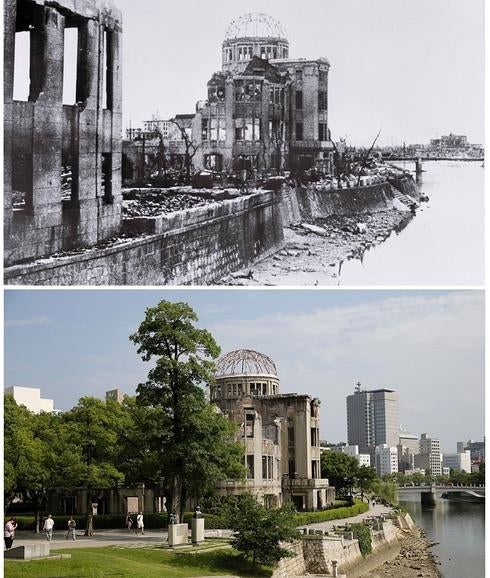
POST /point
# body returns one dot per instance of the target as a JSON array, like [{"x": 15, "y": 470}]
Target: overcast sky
[
  {"x": 426, "y": 345},
  {"x": 413, "y": 69}
]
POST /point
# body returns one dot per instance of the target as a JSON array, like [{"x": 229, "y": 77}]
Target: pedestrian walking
[
  {"x": 72, "y": 529},
  {"x": 129, "y": 521},
  {"x": 48, "y": 527},
  {"x": 9, "y": 532},
  {"x": 140, "y": 524}
]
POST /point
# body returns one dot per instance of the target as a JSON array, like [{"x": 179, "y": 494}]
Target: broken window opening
[
  {"x": 322, "y": 131},
  {"x": 214, "y": 162},
  {"x": 70, "y": 66},
  {"x": 299, "y": 131},
  {"x": 250, "y": 467},
  {"x": 322, "y": 100},
  {"x": 299, "y": 99},
  {"x": 108, "y": 66},
  {"x": 107, "y": 177},
  {"x": 249, "y": 425},
  {"x": 314, "y": 469},
  {"x": 22, "y": 65}
]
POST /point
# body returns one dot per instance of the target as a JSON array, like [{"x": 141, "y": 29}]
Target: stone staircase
[{"x": 405, "y": 199}]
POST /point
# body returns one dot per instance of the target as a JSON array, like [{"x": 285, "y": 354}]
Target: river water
[
  {"x": 442, "y": 245},
  {"x": 460, "y": 530}
]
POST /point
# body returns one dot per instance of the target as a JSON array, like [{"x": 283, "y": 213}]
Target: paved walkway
[
  {"x": 373, "y": 511},
  {"x": 104, "y": 538},
  {"x": 154, "y": 538}
]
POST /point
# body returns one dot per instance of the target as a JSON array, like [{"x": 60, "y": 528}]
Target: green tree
[
  {"x": 365, "y": 475},
  {"x": 340, "y": 469},
  {"x": 259, "y": 531},
  {"x": 196, "y": 443},
  {"x": 92, "y": 432},
  {"x": 26, "y": 465}
]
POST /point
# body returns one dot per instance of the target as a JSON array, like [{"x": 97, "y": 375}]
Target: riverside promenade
[{"x": 154, "y": 538}]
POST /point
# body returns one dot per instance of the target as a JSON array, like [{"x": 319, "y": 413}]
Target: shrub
[
  {"x": 115, "y": 521},
  {"x": 363, "y": 535}
]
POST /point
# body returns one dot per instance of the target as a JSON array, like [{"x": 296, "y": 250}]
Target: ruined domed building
[
  {"x": 280, "y": 433},
  {"x": 264, "y": 110}
]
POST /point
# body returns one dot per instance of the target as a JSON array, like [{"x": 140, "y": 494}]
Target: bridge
[{"x": 430, "y": 493}]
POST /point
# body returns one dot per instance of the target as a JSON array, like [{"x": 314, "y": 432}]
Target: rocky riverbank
[
  {"x": 313, "y": 254},
  {"x": 414, "y": 559}
]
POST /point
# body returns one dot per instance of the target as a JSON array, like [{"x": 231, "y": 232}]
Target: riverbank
[
  {"x": 412, "y": 559},
  {"x": 314, "y": 255}
]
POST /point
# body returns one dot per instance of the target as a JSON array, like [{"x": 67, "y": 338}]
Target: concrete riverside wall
[
  {"x": 316, "y": 202},
  {"x": 314, "y": 553},
  {"x": 195, "y": 246},
  {"x": 294, "y": 566}
]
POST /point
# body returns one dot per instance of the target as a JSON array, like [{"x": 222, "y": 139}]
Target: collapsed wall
[{"x": 62, "y": 135}]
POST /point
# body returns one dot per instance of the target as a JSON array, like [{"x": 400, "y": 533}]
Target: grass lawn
[{"x": 136, "y": 563}]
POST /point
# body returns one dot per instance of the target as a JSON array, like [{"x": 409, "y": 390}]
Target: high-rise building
[
  {"x": 372, "y": 419},
  {"x": 429, "y": 456}
]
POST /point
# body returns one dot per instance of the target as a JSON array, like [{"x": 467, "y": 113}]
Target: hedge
[
  {"x": 213, "y": 521},
  {"x": 333, "y": 514},
  {"x": 115, "y": 521}
]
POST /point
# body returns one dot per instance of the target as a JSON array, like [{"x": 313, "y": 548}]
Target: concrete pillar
[
  {"x": 48, "y": 130},
  {"x": 9, "y": 17},
  {"x": 197, "y": 530}
]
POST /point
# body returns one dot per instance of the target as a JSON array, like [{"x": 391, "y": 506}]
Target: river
[
  {"x": 442, "y": 245},
  {"x": 459, "y": 529}
]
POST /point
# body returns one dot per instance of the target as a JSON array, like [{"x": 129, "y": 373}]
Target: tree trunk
[
  {"x": 89, "y": 529},
  {"x": 176, "y": 505}
]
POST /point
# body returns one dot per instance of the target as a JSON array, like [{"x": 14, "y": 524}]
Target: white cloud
[{"x": 429, "y": 348}]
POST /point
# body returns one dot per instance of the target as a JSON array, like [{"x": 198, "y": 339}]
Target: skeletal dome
[
  {"x": 245, "y": 362},
  {"x": 255, "y": 25}
]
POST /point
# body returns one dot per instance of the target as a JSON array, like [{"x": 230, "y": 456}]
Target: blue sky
[{"x": 427, "y": 345}]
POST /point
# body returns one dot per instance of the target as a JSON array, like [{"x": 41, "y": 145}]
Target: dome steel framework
[
  {"x": 245, "y": 361},
  {"x": 255, "y": 25}
]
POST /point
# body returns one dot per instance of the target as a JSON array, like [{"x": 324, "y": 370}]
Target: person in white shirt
[
  {"x": 48, "y": 527},
  {"x": 140, "y": 524}
]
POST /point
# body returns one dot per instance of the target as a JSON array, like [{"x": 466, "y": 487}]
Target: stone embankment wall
[
  {"x": 195, "y": 246},
  {"x": 314, "y": 553},
  {"x": 317, "y": 201}
]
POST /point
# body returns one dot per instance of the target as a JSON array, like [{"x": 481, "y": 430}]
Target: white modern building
[
  {"x": 386, "y": 458},
  {"x": 429, "y": 457},
  {"x": 460, "y": 461},
  {"x": 31, "y": 398},
  {"x": 353, "y": 451}
]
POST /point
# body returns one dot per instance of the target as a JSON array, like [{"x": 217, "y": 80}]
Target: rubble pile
[{"x": 153, "y": 204}]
